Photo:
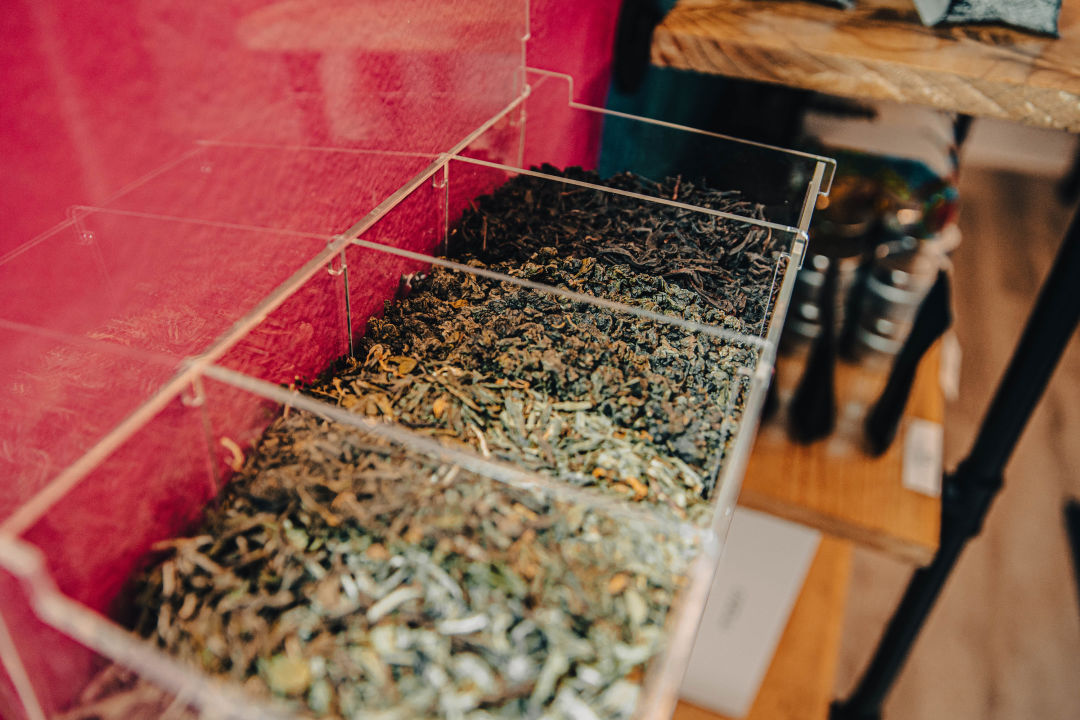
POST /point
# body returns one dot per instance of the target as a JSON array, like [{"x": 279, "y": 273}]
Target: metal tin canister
[
  {"x": 840, "y": 235},
  {"x": 803, "y": 323},
  {"x": 895, "y": 286}
]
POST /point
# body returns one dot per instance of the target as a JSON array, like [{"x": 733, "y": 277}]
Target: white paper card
[
  {"x": 924, "y": 444},
  {"x": 931, "y": 12},
  {"x": 758, "y": 579},
  {"x": 949, "y": 371}
]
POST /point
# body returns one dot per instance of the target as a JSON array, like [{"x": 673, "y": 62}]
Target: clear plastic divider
[
  {"x": 306, "y": 189},
  {"x": 764, "y": 182}
]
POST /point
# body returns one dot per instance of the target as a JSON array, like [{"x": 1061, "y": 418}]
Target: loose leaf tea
[
  {"x": 363, "y": 580},
  {"x": 593, "y": 396},
  {"x": 351, "y": 577},
  {"x": 729, "y": 264}
]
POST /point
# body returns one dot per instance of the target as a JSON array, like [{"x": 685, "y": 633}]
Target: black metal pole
[{"x": 968, "y": 492}]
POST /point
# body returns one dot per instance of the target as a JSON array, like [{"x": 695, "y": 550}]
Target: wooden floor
[{"x": 1004, "y": 640}]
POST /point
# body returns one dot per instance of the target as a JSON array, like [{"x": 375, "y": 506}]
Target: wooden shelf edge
[
  {"x": 901, "y": 548},
  {"x": 833, "y": 486},
  {"x": 799, "y": 682},
  {"x": 880, "y": 50}
]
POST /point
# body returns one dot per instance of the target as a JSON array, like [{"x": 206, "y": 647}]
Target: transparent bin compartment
[
  {"x": 470, "y": 209},
  {"x": 542, "y": 379},
  {"x": 739, "y": 289},
  {"x": 673, "y": 390},
  {"x": 774, "y": 185},
  {"x": 610, "y": 558}
]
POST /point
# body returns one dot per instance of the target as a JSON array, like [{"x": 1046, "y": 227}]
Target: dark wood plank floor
[{"x": 1004, "y": 640}]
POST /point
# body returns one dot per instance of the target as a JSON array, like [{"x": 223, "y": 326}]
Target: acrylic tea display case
[{"x": 152, "y": 338}]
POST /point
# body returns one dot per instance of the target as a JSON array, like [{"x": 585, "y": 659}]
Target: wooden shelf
[
  {"x": 880, "y": 50},
  {"x": 832, "y": 485},
  {"x": 799, "y": 682}
]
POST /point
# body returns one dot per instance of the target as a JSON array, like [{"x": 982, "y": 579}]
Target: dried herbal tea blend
[
  {"x": 364, "y": 581},
  {"x": 351, "y": 577},
  {"x": 590, "y": 395},
  {"x": 729, "y": 264}
]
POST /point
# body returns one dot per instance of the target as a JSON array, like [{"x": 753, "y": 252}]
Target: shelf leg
[{"x": 969, "y": 491}]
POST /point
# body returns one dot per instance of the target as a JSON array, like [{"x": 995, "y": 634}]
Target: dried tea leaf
[
  {"x": 405, "y": 365},
  {"x": 618, "y": 583},
  {"x": 285, "y": 675}
]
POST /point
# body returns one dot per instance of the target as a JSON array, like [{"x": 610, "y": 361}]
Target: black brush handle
[
  {"x": 772, "y": 399},
  {"x": 853, "y": 303},
  {"x": 812, "y": 413},
  {"x": 931, "y": 321},
  {"x": 1072, "y": 529}
]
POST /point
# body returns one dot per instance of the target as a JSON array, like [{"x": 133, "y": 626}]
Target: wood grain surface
[
  {"x": 833, "y": 485},
  {"x": 1003, "y": 641},
  {"x": 799, "y": 682},
  {"x": 880, "y": 50}
]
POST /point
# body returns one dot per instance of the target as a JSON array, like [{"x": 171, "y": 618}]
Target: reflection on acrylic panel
[
  {"x": 107, "y": 95},
  {"x": 161, "y": 286},
  {"x": 58, "y": 398},
  {"x": 308, "y": 190}
]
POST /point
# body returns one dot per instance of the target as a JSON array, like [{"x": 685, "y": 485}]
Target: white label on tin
[{"x": 924, "y": 444}]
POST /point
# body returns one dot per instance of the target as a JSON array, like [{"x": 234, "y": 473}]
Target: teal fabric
[{"x": 698, "y": 101}]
